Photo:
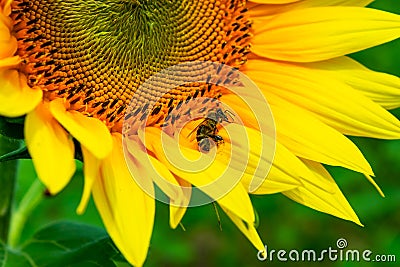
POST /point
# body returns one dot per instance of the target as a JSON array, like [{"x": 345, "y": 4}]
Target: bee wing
[
  {"x": 194, "y": 130},
  {"x": 231, "y": 115}
]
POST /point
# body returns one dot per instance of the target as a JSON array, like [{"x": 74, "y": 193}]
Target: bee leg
[{"x": 218, "y": 217}]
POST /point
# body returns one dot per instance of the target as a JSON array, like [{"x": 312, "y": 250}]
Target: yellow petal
[
  {"x": 127, "y": 211},
  {"x": 5, "y": 7},
  {"x": 285, "y": 173},
  {"x": 312, "y": 3},
  {"x": 251, "y": 153},
  {"x": 382, "y": 88},
  {"x": 330, "y": 147},
  {"x": 51, "y": 148},
  {"x": 313, "y": 34},
  {"x": 144, "y": 166},
  {"x": 315, "y": 197},
  {"x": 16, "y": 97},
  {"x": 273, "y": 1},
  {"x": 230, "y": 194},
  {"x": 247, "y": 229},
  {"x": 242, "y": 108},
  {"x": 309, "y": 138},
  {"x": 286, "y": 164},
  {"x": 305, "y": 136},
  {"x": 9, "y": 62},
  {"x": 106, "y": 211},
  {"x": 262, "y": 11},
  {"x": 176, "y": 213},
  {"x": 91, "y": 166},
  {"x": 285, "y": 167},
  {"x": 8, "y": 43},
  {"x": 90, "y": 132},
  {"x": 333, "y": 102},
  {"x": 231, "y": 200}
]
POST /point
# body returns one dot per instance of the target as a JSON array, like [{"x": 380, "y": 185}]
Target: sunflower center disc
[{"x": 96, "y": 53}]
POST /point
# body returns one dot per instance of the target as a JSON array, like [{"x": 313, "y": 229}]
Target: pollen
[{"x": 95, "y": 54}]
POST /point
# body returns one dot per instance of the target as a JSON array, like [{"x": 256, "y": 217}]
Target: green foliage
[
  {"x": 20, "y": 153},
  {"x": 12, "y": 127},
  {"x": 64, "y": 244},
  {"x": 11, "y": 258}
]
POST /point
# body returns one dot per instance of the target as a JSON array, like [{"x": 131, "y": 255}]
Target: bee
[{"x": 207, "y": 130}]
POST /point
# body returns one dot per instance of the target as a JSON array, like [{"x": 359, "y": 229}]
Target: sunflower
[{"x": 79, "y": 72}]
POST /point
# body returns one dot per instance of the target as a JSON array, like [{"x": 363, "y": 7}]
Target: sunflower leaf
[
  {"x": 16, "y": 120},
  {"x": 12, "y": 127},
  {"x": 12, "y": 258},
  {"x": 71, "y": 244},
  {"x": 20, "y": 153}
]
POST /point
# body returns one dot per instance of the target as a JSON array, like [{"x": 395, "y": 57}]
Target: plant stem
[
  {"x": 8, "y": 177},
  {"x": 29, "y": 202}
]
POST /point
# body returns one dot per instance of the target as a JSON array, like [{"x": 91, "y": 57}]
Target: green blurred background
[{"x": 284, "y": 224}]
